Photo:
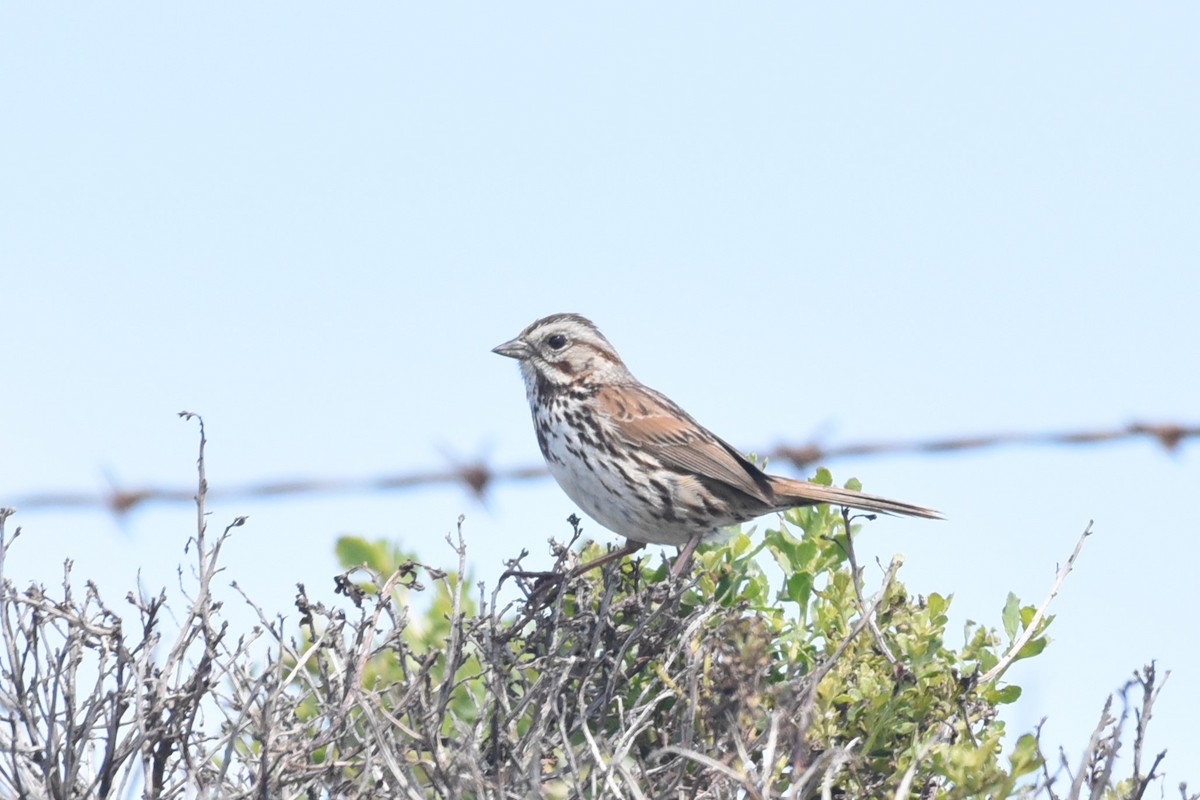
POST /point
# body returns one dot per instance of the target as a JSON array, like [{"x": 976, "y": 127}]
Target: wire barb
[{"x": 478, "y": 477}]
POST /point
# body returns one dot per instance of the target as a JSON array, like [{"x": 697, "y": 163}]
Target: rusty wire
[{"x": 479, "y": 477}]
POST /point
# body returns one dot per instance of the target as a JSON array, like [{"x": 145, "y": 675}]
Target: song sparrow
[{"x": 639, "y": 464}]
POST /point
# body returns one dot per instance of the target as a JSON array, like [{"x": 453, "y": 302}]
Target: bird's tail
[{"x": 791, "y": 493}]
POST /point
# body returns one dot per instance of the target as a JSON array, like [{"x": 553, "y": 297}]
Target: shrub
[{"x": 620, "y": 683}]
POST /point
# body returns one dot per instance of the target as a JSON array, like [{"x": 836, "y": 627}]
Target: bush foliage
[{"x": 774, "y": 669}]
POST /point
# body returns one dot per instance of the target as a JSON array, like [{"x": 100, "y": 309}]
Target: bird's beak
[{"x": 513, "y": 349}]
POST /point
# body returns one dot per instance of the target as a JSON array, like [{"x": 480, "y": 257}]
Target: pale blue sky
[{"x": 311, "y": 224}]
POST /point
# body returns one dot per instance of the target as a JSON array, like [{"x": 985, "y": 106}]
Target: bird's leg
[
  {"x": 684, "y": 557},
  {"x": 544, "y": 580},
  {"x": 629, "y": 549}
]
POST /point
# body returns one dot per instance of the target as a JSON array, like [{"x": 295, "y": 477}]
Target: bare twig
[
  {"x": 876, "y": 634},
  {"x": 1031, "y": 629},
  {"x": 943, "y": 734}
]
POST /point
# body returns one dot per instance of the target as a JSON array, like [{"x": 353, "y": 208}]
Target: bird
[{"x": 636, "y": 462}]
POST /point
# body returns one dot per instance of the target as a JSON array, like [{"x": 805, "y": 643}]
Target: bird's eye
[{"x": 557, "y": 341}]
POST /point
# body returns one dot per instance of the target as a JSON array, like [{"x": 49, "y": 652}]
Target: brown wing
[{"x": 648, "y": 421}]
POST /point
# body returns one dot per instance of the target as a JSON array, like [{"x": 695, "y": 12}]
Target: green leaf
[
  {"x": 798, "y": 588},
  {"x": 354, "y": 551},
  {"x": 739, "y": 544},
  {"x": 1032, "y": 648},
  {"x": 1009, "y": 694},
  {"x": 1027, "y": 615},
  {"x": 1025, "y": 758},
  {"x": 1011, "y": 615}
]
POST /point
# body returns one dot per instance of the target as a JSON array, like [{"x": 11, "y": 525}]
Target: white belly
[{"x": 601, "y": 491}]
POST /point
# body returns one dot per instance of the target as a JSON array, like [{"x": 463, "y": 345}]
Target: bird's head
[{"x": 564, "y": 349}]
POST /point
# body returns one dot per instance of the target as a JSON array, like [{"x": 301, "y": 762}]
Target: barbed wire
[{"x": 478, "y": 477}]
